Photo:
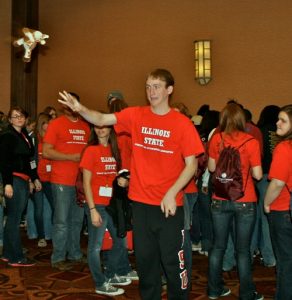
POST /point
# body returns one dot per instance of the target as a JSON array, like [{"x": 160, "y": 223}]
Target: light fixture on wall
[{"x": 203, "y": 61}]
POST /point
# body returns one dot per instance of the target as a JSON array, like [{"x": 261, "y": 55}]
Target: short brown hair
[
  {"x": 288, "y": 110},
  {"x": 18, "y": 109},
  {"x": 163, "y": 75}
]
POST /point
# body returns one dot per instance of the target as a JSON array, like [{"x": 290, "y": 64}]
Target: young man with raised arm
[{"x": 164, "y": 149}]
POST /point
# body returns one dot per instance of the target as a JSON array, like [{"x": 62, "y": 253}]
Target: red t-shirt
[
  {"x": 191, "y": 187},
  {"x": 281, "y": 168},
  {"x": 67, "y": 137},
  {"x": 160, "y": 144},
  {"x": 250, "y": 156},
  {"x": 100, "y": 162},
  {"x": 256, "y": 133},
  {"x": 125, "y": 147},
  {"x": 44, "y": 165}
]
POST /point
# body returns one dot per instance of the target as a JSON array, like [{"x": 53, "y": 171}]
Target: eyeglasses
[{"x": 19, "y": 117}]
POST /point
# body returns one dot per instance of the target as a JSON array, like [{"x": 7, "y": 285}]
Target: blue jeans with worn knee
[
  {"x": 224, "y": 213},
  {"x": 67, "y": 224},
  {"x": 95, "y": 237},
  {"x": 281, "y": 235},
  {"x": 12, "y": 247}
]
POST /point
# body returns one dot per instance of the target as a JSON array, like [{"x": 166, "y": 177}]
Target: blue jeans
[
  {"x": 115, "y": 256},
  {"x": 189, "y": 201},
  {"x": 261, "y": 238},
  {"x": 33, "y": 230},
  {"x": 229, "y": 256},
  {"x": 67, "y": 224},
  {"x": 205, "y": 218},
  {"x": 40, "y": 212},
  {"x": 243, "y": 215},
  {"x": 281, "y": 235},
  {"x": 195, "y": 230},
  {"x": 124, "y": 266},
  {"x": 12, "y": 247}
]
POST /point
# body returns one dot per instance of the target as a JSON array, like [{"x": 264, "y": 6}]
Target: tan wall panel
[
  {"x": 5, "y": 42},
  {"x": 99, "y": 45}
]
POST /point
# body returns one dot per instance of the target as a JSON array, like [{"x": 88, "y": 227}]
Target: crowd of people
[{"x": 166, "y": 162}]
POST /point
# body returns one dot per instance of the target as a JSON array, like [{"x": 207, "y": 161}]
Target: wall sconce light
[{"x": 203, "y": 61}]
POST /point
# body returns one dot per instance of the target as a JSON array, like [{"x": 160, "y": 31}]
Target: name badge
[
  {"x": 48, "y": 168},
  {"x": 33, "y": 164},
  {"x": 105, "y": 191}
]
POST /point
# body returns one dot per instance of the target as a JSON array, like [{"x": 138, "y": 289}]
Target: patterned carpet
[{"x": 43, "y": 282}]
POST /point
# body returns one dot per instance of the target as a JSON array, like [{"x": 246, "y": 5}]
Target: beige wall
[
  {"x": 5, "y": 42},
  {"x": 99, "y": 45}
]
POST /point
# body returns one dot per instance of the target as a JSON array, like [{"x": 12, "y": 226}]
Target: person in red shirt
[
  {"x": 116, "y": 103},
  {"x": 64, "y": 141},
  {"x": 242, "y": 211},
  {"x": 99, "y": 164},
  {"x": 165, "y": 146},
  {"x": 44, "y": 172},
  {"x": 277, "y": 203}
]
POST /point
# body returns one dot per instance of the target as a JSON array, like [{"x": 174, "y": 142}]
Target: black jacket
[
  {"x": 16, "y": 153},
  {"x": 120, "y": 208}
]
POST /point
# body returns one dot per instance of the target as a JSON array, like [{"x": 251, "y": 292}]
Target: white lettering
[
  {"x": 78, "y": 137},
  {"x": 76, "y": 131},
  {"x": 151, "y": 141},
  {"x": 184, "y": 279},
  {"x": 107, "y": 159},
  {"x": 110, "y": 167},
  {"x": 156, "y": 131}
]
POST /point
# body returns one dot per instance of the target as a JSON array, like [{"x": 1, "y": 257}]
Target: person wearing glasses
[
  {"x": 19, "y": 175},
  {"x": 162, "y": 139}
]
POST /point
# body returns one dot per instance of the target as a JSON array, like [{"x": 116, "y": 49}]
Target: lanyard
[{"x": 26, "y": 139}]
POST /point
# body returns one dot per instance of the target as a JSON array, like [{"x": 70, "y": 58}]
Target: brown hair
[
  {"x": 117, "y": 105},
  {"x": 113, "y": 142},
  {"x": 163, "y": 75},
  {"x": 182, "y": 108},
  {"x": 42, "y": 119},
  {"x": 232, "y": 119},
  {"x": 18, "y": 109},
  {"x": 48, "y": 109},
  {"x": 288, "y": 110}
]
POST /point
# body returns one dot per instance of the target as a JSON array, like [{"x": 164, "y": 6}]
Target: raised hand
[{"x": 70, "y": 101}]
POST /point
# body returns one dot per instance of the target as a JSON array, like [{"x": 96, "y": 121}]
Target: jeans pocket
[
  {"x": 216, "y": 205},
  {"x": 247, "y": 208}
]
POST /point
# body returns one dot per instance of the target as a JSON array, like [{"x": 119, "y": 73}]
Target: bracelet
[{"x": 91, "y": 208}]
